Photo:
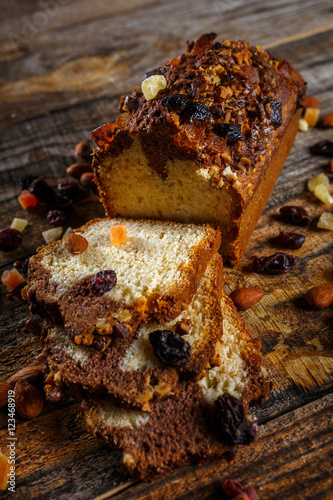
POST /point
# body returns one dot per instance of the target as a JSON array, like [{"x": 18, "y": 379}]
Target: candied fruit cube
[
  {"x": 311, "y": 116},
  {"x": 317, "y": 181},
  {"x": 52, "y": 234},
  {"x": 118, "y": 234},
  {"x": 19, "y": 224},
  {"x": 152, "y": 85},
  {"x": 27, "y": 199},
  {"x": 12, "y": 279},
  {"x": 303, "y": 125},
  {"x": 321, "y": 192},
  {"x": 326, "y": 221}
]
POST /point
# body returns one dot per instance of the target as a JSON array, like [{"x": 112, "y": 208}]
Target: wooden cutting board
[{"x": 61, "y": 80}]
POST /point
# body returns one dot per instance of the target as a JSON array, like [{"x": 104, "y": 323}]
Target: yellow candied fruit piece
[
  {"x": 321, "y": 192},
  {"x": 317, "y": 181},
  {"x": 303, "y": 125},
  {"x": 19, "y": 224},
  {"x": 52, "y": 234},
  {"x": 152, "y": 85},
  {"x": 326, "y": 221}
]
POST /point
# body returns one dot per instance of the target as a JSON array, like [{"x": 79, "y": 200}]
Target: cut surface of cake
[
  {"x": 108, "y": 290},
  {"x": 206, "y": 143},
  {"x": 130, "y": 372},
  {"x": 205, "y": 420}
]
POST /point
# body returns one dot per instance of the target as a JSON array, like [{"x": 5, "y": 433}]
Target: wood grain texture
[{"x": 56, "y": 85}]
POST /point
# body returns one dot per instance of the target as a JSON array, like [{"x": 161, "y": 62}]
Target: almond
[
  {"x": 78, "y": 169},
  {"x": 29, "y": 401},
  {"x": 87, "y": 179},
  {"x": 31, "y": 374},
  {"x": 4, "y": 471},
  {"x": 328, "y": 120},
  {"x": 244, "y": 298},
  {"x": 320, "y": 296},
  {"x": 4, "y": 388}
]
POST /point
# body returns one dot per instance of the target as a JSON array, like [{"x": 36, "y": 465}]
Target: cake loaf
[
  {"x": 130, "y": 372},
  {"x": 203, "y": 141},
  {"x": 205, "y": 420},
  {"x": 108, "y": 290}
]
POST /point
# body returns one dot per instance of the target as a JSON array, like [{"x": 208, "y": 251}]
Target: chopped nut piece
[
  {"x": 52, "y": 234},
  {"x": 118, "y": 234},
  {"x": 19, "y": 224},
  {"x": 311, "y": 116},
  {"x": 229, "y": 174},
  {"x": 303, "y": 125},
  {"x": 316, "y": 181},
  {"x": 321, "y": 192},
  {"x": 12, "y": 279},
  {"x": 328, "y": 120},
  {"x": 152, "y": 85},
  {"x": 326, "y": 221}
]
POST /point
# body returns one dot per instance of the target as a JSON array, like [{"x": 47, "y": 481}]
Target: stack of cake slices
[{"x": 138, "y": 328}]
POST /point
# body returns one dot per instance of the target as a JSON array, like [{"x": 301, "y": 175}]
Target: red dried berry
[
  {"x": 234, "y": 425},
  {"x": 10, "y": 239},
  {"x": 290, "y": 240},
  {"x": 277, "y": 263},
  {"x": 56, "y": 217},
  {"x": 69, "y": 189},
  {"x": 323, "y": 148},
  {"x": 103, "y": 282},
  {"x": 295, "y": 215},
  {"x": 169, "y": 348},
  {"x": 42, "y": 191}
]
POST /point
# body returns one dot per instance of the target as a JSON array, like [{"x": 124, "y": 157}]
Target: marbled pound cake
[
  {"x": 204, "y": 141},
  {"x": 205, "y": 420},
  {"x": 109, "y": 290},
  {"x": 131, "y": 372}
]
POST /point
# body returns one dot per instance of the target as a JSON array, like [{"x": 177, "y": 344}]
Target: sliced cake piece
[
  {"x": 109, "y": 289},
  {"x": 205, "y": 420},
  {"x": 131, "y": 372}
]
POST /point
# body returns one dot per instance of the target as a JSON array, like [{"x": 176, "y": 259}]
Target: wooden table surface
[{"x": 64, "y": 65}]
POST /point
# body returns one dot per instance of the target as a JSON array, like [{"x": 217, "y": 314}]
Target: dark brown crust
[
  {"x": 101, "y": 375},
  {"x": 79, "y": 309}
]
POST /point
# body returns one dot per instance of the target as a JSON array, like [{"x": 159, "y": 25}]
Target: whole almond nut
[
  {"x": 28, "y": 399},
  {"x": 328, "y": 120},
  {"x": 244, "y": 298},
  {"x": 87, "y": 179},
  {"x": 82, "y": 150},
  {"x": 75, "y": 243},
  {"x": 78, "y": 169},
  {"x": 320, "y": 296},
  {"x": 31, "y": 374},
  {"x": 4, "y": 388}
]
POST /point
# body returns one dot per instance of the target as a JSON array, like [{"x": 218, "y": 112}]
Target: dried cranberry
[
  {"x": 169, "y": 348},
  {"x": 296, "y": 215},
  {"x": 174, "y": 102},
  {"x": 276, "y": 113},
  {"x": 26, "y": 180},
  {"x": 323, "y": 148},
  {"x": 290, "y": 240},
  {"x": 103, "y": 282},
  {"x": 196, "y": 112},
  {"x": 157, "y": 71},
  {"x": 277, "y": 263},
  {"x": 56, "y": 217},
  {"x": 231, "y": 131},
  {"x": 235, "y": 427},
  {"x": 69, "y": 189},
  {"x": 10, "y": 239},
  {"x": 42, "y": 191}
]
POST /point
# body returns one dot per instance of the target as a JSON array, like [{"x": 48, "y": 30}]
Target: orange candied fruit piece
[
  {"x": 311, "y": 116},
  {"x": 118, "y": 234},
  {"x": 27, "y": 199},
  {"x": 12, "y": 279}
]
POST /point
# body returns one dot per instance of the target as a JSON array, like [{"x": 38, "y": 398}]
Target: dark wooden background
[{"x": 64, "y": 65}]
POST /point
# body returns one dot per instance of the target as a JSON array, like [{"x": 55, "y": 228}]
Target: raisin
[
  {"x": 174, "y": 102},
  {"x": 157, "y": 71},
  {"x": 277, "y": 263},
  {"x": 10, "y": 239},
  {"x": 276, "y": 114},
  {"x": 295, "y": 215},
  {"x": 323, "y": 148},
  {"x": 103, "y": 282},
  {"x": 42, "y": 191},
  {"x": 56, "y": 217},
  {"x": 69, "y": 189},
  {"x": 234, "y": 426},
  {"x": 75, "y": 243},
  {"x": 290, "y": 240},
  {"x": 196, "y": 112},
  {"x": 26, "y": 180},
  {"x": 169, "y": 348},
  {"x": 230, "y": 131}
]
